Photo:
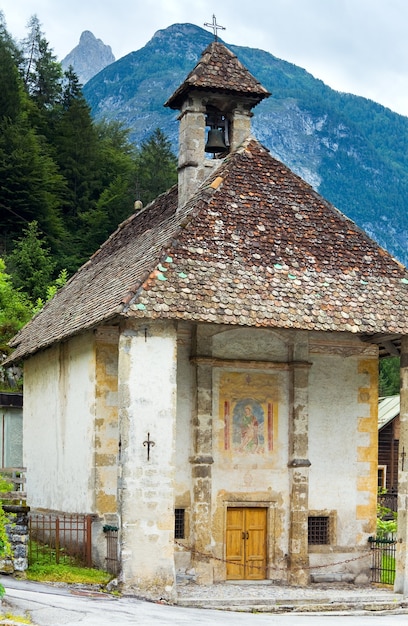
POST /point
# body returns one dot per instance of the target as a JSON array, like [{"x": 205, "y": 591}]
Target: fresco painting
[{"x": 249, "y": 410}]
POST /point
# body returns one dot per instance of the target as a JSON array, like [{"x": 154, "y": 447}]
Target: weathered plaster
[
  {"x": 343, "y": 449},
  {"x": 147, "y": 391},
  {"x": 59, "y": 403}
]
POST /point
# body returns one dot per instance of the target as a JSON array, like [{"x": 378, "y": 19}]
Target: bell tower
[{"x": 215, "y": 103}]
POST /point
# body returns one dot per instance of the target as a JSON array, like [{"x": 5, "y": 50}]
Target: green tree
[
  {"x": 117, "y": 173},
  {"x": 15, "y": 309},
  {"x": 156, "y": 166},
  {"x": 10, "y": 92},
  {"x": 31, "y": 264},
  {"x": 75, "y": 145},
  {"x": 31, "y": 186},
  {"x": 389, "y": 381},
  {"x": 41, "y": 71},
  {"x": 51, "y": 290}
]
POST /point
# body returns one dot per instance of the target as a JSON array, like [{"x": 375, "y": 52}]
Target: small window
[
  {"x": 382, "y": 476},
  {"x": 179, "y": 523},
  {"x": 318, "y": 530}
]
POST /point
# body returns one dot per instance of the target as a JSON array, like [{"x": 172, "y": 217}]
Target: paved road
[{"x": 60, "y": 607}]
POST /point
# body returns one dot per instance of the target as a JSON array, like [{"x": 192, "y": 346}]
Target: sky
[{"x": 355, "y": 46}]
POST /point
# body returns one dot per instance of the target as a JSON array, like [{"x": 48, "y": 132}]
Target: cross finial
[{"x": 215, "y": 27}]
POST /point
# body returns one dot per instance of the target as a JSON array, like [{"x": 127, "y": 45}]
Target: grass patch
[
  {"x": 67, "y": 574},
  {"x": 43, "y": 568},
  {"x": 387, "y": 569}
]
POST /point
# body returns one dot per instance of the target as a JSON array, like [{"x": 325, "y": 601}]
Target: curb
[{"x": 291, "y": 606}]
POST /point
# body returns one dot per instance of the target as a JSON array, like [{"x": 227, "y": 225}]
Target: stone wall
[{"x": 18, "y": 533}]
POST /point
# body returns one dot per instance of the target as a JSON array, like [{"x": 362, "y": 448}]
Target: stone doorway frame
[{"x": 240, "y": 501}]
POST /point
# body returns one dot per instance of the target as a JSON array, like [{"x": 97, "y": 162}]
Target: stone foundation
[{"x": 18, "y": 535}]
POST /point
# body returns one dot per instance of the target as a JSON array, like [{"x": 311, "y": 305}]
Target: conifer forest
[{"x": 66, "y": 181}]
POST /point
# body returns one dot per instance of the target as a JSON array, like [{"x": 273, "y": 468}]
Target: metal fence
[
  {"x": 382, "y": 560},
  {"x": 112, "y": 560},
  {"x": 64, "y": 538}
]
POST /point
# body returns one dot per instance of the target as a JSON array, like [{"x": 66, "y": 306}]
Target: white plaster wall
[
  {"x": 147, "y": 398},
  {"x": 59, "y": 427},
  {"x": 248, "y": 343},
  {"x": 333, "y": 440}
]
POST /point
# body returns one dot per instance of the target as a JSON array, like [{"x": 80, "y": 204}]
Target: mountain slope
[{"x": 352, "y": 150}]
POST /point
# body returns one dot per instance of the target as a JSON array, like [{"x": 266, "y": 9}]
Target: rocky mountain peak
[{"x": 89, "y": 57}]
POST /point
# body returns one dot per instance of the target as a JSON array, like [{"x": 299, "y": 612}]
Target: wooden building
[{"x": 388, "y": 449}]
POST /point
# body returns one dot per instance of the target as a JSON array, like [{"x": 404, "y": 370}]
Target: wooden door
[{"x": 246, "y": 543}]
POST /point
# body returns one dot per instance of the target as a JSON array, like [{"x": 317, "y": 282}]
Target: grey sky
[{"x": 358, "y": 46}]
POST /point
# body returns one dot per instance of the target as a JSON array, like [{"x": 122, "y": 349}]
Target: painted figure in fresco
[{"x": 248, "y": 422}]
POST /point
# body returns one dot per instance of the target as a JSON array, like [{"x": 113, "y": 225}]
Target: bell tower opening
[{"x": 217, "y": 142}]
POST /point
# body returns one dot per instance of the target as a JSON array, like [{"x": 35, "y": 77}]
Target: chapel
[{"x": 208, "y": 381}]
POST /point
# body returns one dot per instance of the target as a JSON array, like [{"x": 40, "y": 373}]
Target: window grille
[
  {"x": 318, "y": 531},
  {"x": 179, "y": 523}
]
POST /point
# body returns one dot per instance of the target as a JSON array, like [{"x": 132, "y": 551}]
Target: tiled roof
[
  {"x": 255, "y": 246},
  {"x": 219, "y": 70}
]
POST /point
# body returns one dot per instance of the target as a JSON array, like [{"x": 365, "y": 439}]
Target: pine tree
[
  {"x": 117, "y": 173},
  {"x": 156, "y": 166},
  {"x": 31, "y": 186},
  {"x": 42, "y": 78},
  {"x": 10, "y": 92},
  {"x": 42, "y": 73},
  {"x": 75, "y": 148},
  {"x": 31, "y": 264}
]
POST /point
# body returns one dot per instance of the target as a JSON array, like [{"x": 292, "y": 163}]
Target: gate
[
  {"x": 61, "y": 538},
  {"x": 382, "y": 560},
  {"x": 112, "y": 560}
]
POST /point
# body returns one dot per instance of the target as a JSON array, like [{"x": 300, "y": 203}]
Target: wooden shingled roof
[
  {"x": 220, "y": 70},
  {"x": 255, "y": 246}
]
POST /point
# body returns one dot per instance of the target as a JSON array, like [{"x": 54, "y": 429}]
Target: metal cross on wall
[
  {"x": 150, "y": 444},
  {"x": 214, "y": 26}
]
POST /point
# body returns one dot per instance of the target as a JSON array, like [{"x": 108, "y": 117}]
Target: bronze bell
[{"x": 215, "y": 141}]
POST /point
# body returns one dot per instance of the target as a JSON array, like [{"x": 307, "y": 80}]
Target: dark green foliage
[
  {"x": 39, "y": 67},
  {"x": 31, "y": 264},
  {"x": 10, "y": 94},
  {"x": 31, "y": 184},
  {"x": 389, "y": 383},
  {"x": 15, "y": 309},
  {"x": 75, "y": 147},
  {"x": 156, "y": 166},
  {"x": 67, "y": 182}
]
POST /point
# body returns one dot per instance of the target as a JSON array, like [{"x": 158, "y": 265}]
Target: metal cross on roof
[{"x": 214, "y": 26}]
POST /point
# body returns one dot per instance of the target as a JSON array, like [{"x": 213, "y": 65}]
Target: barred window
[
  {"x": 179, "y": 523},
  {"x": 318, "y": 530}
]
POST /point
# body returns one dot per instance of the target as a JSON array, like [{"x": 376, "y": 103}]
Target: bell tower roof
[{"x": 219, "y": 70}]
